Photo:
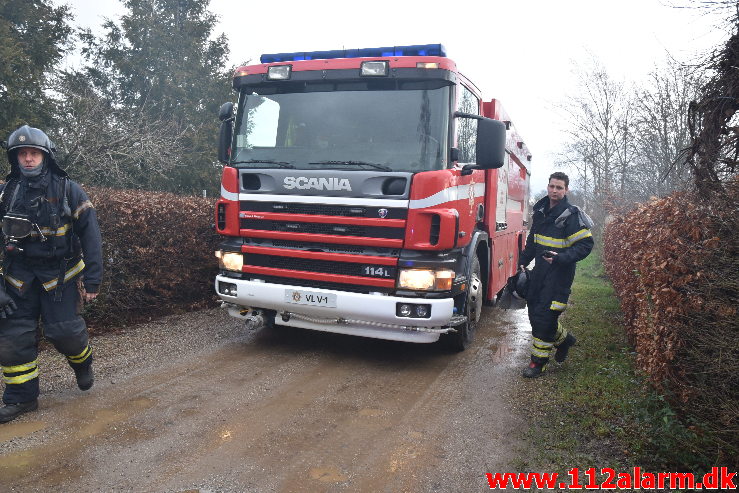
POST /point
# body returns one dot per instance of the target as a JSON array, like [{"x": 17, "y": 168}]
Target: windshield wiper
[
  {"x": 357, "y": 163},
  {"x": 282, "y": 164}
]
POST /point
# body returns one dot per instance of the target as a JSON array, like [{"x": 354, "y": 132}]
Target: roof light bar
[{"x": 386, "y": 51}]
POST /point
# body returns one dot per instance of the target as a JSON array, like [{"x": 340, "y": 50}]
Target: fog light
[
  {"x": 422, "y": 311},
  {"x": 404, "y": 310},
  {"x": 227, "y": 288}
]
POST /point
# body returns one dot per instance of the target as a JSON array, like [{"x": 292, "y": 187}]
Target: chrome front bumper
[{"x": 367, "y": 315}]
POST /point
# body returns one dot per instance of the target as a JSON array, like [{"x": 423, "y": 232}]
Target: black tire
[{"x": 462, "y": 338}]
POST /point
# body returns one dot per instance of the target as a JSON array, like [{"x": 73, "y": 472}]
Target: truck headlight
[
  {"x": 230, "y": 260},
  {"x": 426, "y": 279}
]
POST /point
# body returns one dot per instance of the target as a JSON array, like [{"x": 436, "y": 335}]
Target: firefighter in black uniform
[
  {"x": 560, "y": 236},
  {"x": 48, "y": 225}
]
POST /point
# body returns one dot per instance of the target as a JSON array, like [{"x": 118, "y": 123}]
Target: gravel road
[{"x": 196, "y": 403}]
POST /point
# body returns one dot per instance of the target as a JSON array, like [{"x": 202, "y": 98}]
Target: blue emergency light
[{"x": 385, "y": 51}]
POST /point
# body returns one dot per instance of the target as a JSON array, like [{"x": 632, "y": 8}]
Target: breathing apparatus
[{"x": 17, "y": 227}]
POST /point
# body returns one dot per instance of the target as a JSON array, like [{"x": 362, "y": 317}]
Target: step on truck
[{"x": 370, "y": 192}]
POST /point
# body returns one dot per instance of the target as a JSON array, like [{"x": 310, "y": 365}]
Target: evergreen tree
[
  {"x": 160, "y": 62},
  {"x": 34, "y": 36}
]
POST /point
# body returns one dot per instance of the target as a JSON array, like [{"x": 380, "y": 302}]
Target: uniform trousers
[{"x": 61, "y": 325}]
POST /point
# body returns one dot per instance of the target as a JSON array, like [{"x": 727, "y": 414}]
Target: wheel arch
[{"x": 479, "y": 247}]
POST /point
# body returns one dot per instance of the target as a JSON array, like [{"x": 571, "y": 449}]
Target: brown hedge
[
  {"x": 157, "y": 253},
  {"x": 673, "y": 263}
]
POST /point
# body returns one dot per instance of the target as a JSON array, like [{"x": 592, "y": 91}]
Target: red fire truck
[{"x": 369, "y": 192}]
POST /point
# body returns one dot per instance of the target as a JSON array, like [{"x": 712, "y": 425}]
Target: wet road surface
[{"x": 284, "y": 410}]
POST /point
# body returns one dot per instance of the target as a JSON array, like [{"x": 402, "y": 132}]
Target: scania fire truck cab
[{"x": 369, "y": 192}]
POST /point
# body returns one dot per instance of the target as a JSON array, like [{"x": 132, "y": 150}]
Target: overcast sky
[{"x": 520, "y": 52}]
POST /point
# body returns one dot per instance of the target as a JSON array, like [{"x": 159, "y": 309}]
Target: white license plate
[{"x": 300, "y": 297}]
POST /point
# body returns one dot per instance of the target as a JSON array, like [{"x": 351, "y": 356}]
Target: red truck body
[{"x": 359, "y": 195}]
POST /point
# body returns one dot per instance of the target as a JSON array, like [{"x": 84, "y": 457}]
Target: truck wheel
[{"x": 460, "y": 340}]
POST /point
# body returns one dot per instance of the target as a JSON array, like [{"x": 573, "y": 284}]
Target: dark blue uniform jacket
[
  {"x": 562, "y": 229},
  {"x": 68, "y": 236}
]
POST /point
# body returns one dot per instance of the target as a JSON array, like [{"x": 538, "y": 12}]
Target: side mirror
[
  {"x": 491, "y": 139},
  {"x": 226, "y": 112},
  {"x": 225, "y": 135}
]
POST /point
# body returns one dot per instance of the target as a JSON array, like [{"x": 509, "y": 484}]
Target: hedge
[
  {"x": 673, "y": 263},
  {"x": 157, "y": 254}
]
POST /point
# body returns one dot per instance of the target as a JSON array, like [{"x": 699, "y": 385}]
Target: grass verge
[{"x": 596, "y": 410}]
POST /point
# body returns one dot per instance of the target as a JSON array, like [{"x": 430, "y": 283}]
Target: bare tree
[
  {"x": 714, "y": 117},
  {"x": 102, "y": 144},
  {"x": 599, "y": 138},
  {"x": 662, "y": 136},
  {"x": 628, "y": 144}
]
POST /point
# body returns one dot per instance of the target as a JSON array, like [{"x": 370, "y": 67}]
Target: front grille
[
  {"x": 365, "y": 271},
  {"x": 322, "y": 247},
  {"x": 329, "y": 247},
  {"x": 325, "y": 229},
  {"x": 323, "y": 266},
  {"x": 325, "y": 210}
]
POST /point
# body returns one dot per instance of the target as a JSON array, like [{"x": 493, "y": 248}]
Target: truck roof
[
  {"x": 397, "y": 56},
  {"x": 347, "y": 63},
  {"x": 382, "y": 52}
]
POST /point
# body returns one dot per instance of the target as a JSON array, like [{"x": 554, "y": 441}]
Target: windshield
[{"x": 391, "y": 130}]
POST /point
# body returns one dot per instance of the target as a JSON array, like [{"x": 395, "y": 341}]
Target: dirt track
[{"x": 280, "y": 410}]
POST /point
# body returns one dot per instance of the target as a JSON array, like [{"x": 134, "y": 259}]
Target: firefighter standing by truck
[
  {"x": 48, "y": 223},
  {"x": 559, "y": 238}
]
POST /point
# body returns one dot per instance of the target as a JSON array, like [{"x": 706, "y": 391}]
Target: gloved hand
[{"x": 7, "y": 305}]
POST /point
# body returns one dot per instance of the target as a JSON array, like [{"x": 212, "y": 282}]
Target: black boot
[
  {"x": 83, "y": 371},
  {"x": 11, "y": 411},
  {"x": 561, "y": 354},
  {"x": 85, "y": 377},
  {"x": 536, "y": 367}
]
